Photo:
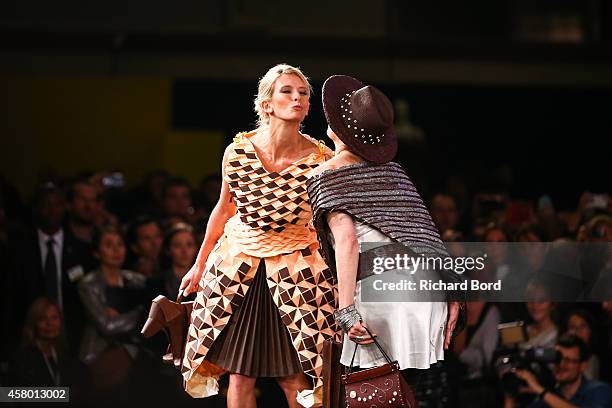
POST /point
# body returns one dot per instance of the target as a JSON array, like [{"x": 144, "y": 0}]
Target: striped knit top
[{"x": 381, "y": 196}]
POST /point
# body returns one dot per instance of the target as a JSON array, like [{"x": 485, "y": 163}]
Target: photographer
[{"x": 572, "y": 389}]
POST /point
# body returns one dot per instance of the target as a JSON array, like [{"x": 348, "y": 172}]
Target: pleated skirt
[{"x": 255, "y": 342}]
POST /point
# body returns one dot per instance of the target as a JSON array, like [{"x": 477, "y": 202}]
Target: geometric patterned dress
[{"x": 272, "y": 224}]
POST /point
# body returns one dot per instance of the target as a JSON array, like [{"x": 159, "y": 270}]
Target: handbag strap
[
  {"x": 179, "y": 296},
  {"x": 384, "y": 353}
]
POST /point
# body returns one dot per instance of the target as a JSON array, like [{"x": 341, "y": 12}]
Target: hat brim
[{"x": 335, "y": 88}]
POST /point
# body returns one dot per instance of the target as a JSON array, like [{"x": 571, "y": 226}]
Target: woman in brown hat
[
  {"x": 265, "y": 297},
  {"x": 360, "y": 196}
]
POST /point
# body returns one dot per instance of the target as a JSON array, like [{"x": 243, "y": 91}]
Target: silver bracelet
[{"x": 347, "y": 317}]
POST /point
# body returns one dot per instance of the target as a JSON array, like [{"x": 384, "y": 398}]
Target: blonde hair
[
  {"x": 265, "y": 89},
  {"x": 37, "y": 311}
]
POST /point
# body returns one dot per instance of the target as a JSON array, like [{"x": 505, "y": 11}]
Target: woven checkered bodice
[{"x": 273, "y": 214}]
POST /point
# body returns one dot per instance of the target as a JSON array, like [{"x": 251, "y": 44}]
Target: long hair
[{"x": 37, "y": 311}]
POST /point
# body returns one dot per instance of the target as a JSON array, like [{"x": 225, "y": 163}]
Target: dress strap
[
  {"x": 239, "y": 137},
  {"x": 321, "y": 147}
]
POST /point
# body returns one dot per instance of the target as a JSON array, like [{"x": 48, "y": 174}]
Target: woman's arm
[
  {"x": 222, "y": 212},
  {"x": 347, "y": 255},
  {"x": 347, "y": 263},
  {"x": 108, "y": 324}
]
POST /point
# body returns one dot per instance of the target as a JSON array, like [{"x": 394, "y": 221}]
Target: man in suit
[{"x": 51, "y": 261}]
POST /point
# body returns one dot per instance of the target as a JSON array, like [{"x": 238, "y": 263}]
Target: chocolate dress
[{"x": 265, "y": 303}]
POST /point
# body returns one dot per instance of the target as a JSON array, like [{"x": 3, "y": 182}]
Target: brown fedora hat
[{"x": 361, "y": 116}]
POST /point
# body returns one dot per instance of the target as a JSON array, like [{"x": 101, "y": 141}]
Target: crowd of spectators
[
  {"x": 82, "y": 258},
  {"x": 487, "y": 371},
  {"x": 81, "y": 261}
]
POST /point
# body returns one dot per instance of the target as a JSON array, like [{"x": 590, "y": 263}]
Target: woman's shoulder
[
  {"x": 332, "y": 165},
  {"x": 240, "y": 136},
  {"x": 90, "y": 278},
  {"x": 323, "y": 167}
]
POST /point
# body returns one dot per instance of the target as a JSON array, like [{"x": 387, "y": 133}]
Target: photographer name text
[{"x": 431, "y": 285}]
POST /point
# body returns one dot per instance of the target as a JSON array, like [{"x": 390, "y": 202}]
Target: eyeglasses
[{"x": 568, "y": 360}]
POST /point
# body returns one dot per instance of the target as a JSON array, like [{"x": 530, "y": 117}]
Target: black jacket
[{"x": 28, "y": 281}]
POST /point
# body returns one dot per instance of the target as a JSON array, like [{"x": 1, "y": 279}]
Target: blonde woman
[
  {"x": 265, "y": 298},
  {"x": 42, "y": 359}
]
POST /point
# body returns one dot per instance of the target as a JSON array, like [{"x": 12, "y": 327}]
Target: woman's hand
[
  {"x": 451, "y": 321},
  {"x": 359, "y": 335},
  {"x": 533, "y": 386},
  {"x": 191, "y": 280},
  {"x": 222, "y": 212}
]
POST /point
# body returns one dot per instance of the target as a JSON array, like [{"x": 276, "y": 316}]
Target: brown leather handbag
[
  {"x": 174, "y": 318},
  {"x": 382, "y": 386}
]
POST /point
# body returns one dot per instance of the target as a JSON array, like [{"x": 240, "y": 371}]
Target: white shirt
[{"x": 58, "y": 247}]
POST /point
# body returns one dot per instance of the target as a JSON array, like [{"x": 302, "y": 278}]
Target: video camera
[{"x": 512, "y": 356}]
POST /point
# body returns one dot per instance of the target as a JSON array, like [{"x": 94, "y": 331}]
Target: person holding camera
[{"x": 572, "y": 388}]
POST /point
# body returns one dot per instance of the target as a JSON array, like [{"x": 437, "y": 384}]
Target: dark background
[{"x": 519, "y": 89}]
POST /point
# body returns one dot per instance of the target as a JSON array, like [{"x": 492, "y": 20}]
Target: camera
[
  {"x": 512, "y": 356},
  {"x": 535, "y": 359}
]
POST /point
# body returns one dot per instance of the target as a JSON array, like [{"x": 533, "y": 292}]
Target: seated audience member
[
  {"x": 444, "y": 213},
  {"x": 542, "y": 330},
  {"x": 205, "y": 198},
  {"x": 529, "y": 233},
  {"x": 177, "y": 202},
  {"x": 146, "y": 198},
  {"x": 596, "y": 257},
  {"x": 527, "y": 258},
  {"x": 86, "y": 208},
  {"x": 145, "y": 240},
  {"x": 497, "y": 263},
  {"x": 83, "y": 208},
  {"x": 548, "y": 219},
  {"x": 42, "y": 360},
  {"x": 588, "y": 205},
  {"x": 573, "y": 389},
  {"x": 580, "y": 323},
  {"x": 180, "y": 249},
  {"x": 209, "y": 190},
  {"x": 115, "y": 301},
  {"x": 532, "y": 249},
  {"x": 488, "y": 208}
]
